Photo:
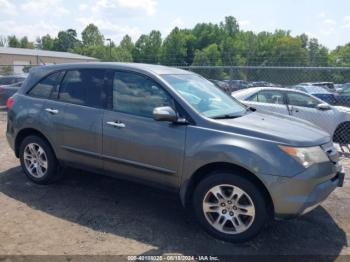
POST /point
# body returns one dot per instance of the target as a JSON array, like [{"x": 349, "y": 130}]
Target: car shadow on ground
[{"x": 157, "y": 218}]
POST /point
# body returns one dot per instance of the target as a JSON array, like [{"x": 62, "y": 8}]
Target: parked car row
[
  {"x": 9, "y": 85},
  {"x": 341, "y": 97},
  {"x": 296, "y": 102}
]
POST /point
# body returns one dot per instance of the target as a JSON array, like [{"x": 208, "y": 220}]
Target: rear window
[{"x": 46, "y": 87}]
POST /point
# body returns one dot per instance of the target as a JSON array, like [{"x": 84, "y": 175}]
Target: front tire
[
  {"x": 38, "y": 161},
  {"x": 230, "y": 207}
]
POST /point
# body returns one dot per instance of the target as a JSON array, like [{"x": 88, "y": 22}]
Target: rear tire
[
  {"x": 229, "y": 207},
  {"x": 38, "y": 161},
  {"x": 342, "y": 133}
]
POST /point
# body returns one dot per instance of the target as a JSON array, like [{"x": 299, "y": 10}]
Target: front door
[
  {"x": 304, "y": 106},
  {"x": 134, "y": 144}
]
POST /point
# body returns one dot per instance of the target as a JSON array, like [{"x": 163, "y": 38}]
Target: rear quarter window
[{"x": 46, "y": 88}]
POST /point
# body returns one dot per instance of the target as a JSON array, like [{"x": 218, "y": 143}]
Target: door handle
[
  {"x": 52, "y": 111},
  {"x": 116, "y": 124}
]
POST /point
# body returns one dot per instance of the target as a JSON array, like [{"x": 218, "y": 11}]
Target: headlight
[{"x": 306, "y": 156}]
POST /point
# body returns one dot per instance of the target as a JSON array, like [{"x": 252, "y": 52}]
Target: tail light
[{"x": 10, "y": 102}]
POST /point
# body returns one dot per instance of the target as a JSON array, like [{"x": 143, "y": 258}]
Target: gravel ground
[{"x": 91, "y": 214}]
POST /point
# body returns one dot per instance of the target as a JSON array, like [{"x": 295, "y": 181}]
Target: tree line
[{"x": 205, "y": 44}]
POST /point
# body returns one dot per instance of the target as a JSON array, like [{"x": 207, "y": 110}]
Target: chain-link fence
[{"x": 330, "y": 84}]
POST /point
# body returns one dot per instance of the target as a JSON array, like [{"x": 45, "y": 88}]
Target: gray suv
[{"x": 233, "y": 166}]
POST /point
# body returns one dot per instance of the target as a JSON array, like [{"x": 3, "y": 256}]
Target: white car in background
[{"x": 333, "y": 119}]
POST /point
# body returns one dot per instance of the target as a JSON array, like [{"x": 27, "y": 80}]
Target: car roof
[
  {"x": 155, "y": 69},
  {"x": 245, "y": 93},
  {"x": 314, "y": 89}
]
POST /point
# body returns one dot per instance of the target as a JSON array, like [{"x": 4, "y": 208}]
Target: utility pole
[{"x": 110, "y": 48}]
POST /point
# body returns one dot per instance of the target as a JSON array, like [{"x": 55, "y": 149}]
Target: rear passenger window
[
  {"x": 46, "y": 87},
  {"x": 84, "y": 87}
]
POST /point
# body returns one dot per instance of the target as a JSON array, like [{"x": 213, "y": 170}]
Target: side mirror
[
  {"x": 323, "y": 107},
  {"x": 164, "y": 113}
]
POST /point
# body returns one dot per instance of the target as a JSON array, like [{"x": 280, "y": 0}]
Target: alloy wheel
[
  {"x": 35, "y": 160},
  {"x": 228, "y": 209}
]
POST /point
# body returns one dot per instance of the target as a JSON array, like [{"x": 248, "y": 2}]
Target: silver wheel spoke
[
  {"x": 217, "y": 192},
  {"x": 238, "y": 224},
  {"x": 210, "y": 207},
  {"x": 220, "y": 222},
  {"x": 238, "y": 193},
  {"x": 247, "y": 210},
  {"x": 39, "y": 171}
]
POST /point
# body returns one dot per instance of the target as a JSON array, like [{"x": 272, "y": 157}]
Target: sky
[{"x": 327, "y": 20}]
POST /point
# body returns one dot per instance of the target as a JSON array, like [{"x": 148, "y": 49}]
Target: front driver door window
[
  {"x": 141, "y": 147},
  {"x": 305, "y": 107},
  {"x": 270, "y": 100}
]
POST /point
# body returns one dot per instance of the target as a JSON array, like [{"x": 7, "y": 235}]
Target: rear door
[
  {"x": 82, "y": 92},
  {"x": 44, "y": 96},
  {"x": 304, "y": 106},
  {"x": 269, "y": 100},
  {"x": 134, "y": 144}
]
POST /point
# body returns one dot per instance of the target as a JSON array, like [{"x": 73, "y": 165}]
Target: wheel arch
[
  {"x": 22, "y": 134},
  {"x": 337, "y": 133},
  {"x": 186, "y": 190}
]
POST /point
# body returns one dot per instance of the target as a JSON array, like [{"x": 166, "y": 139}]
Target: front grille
[{"x": 331, "y": 151}]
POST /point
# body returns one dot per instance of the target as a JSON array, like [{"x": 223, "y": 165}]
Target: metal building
[{"x": 16, "y": 59}]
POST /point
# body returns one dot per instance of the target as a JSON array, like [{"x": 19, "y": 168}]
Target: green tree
[
  {"x": 341, "y": 56},
  {"x": 13, "y": 41},
  {"x": 120, "y": 54},
  {"x": 127, "y": 44},
  {"x": 210, "y": 55},
  {"x": 147, "y": 48},
  {"x": 46, "y": 42},
  {"x": 66, "y": 41},
  {"x": 230, "y": 26},
  {"x": 206, "y": 34},
  {"x": 92, "y": 36},
  {"x": 317, "y": 54},
  {"x": 174, "y": 50},
  {"x": 24, "y": 43}
]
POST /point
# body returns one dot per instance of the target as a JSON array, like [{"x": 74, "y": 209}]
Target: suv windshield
[{"x": 205, "y": 97}]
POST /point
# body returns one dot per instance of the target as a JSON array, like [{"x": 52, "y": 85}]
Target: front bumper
[{"x": 294, "y": 196}]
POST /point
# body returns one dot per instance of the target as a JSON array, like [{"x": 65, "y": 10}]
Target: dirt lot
[{"x": 91, "y": 214}]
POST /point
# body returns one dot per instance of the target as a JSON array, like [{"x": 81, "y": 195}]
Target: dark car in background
[
  {"x": 11, "y": 79},
  {"x": 328, "y": 85},
  {"x": 235, "y": 84},
  {"x": 344, "y": 96},
  {"x": 318, "y": 91},
  {"x": 6, "y": 91}
]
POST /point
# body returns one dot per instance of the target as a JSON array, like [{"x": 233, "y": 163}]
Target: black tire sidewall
[
  {"x": 51, "y": 160},
  {"x": 249, "y": 187}
]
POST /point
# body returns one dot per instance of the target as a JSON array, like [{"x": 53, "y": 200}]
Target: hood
[{"x": 278, "y": 128}]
